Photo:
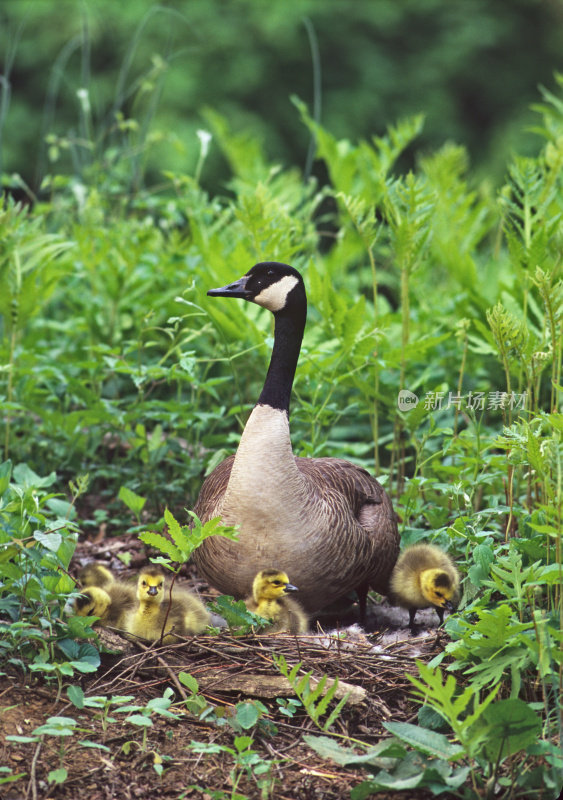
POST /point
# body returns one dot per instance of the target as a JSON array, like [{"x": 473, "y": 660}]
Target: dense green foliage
[
  {"x": 426, "y": 284},
  {"x": 472, "y": 67}
]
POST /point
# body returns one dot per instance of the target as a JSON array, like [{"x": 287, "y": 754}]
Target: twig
[{"x": 32, "y": 785}]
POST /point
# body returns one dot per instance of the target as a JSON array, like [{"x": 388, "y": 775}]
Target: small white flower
[
  {"x": 84, "y": 98},
  {"x": 204, "y": 139}
]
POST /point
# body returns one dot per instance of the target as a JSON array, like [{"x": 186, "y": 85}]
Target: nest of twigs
[{"x": 228, "y": 668}]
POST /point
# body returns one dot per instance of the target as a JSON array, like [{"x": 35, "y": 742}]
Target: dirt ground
[{"x": 228, "y": 670}]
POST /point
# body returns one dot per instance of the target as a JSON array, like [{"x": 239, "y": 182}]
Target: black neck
[{"x": 288, "y": 335}]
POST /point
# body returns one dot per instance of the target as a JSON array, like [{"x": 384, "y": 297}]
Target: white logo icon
[{"x": 407, "y": 400}]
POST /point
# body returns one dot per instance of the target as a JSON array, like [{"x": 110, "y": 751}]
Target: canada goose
[
  {"x": 424, "y": 577},
  {"x": 151, "y": 615},
  {"x": 93, "y": 574},
  {"x": 324, "y": 521},
  {"x": 269, "y": 599}
]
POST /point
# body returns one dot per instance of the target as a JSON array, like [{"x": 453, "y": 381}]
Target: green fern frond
[
  {"x": 408, "y": 205},
  {"x": 162, "y": 544},
  {"x": 186, "y": 539},
  {"x": 509, "y": 334},
  {"x": 309, "y": 696}
]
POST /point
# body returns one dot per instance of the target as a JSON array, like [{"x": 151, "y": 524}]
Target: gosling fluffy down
[
  {"x": 93, "y": 574},
  {"x": 424, "y": 577},
  {"x": 111, "y": 604},
  {"x": 269, "y": 599},
  {"x": 152, "y": 617}
]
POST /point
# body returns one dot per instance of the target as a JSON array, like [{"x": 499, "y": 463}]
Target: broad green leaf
[
  {"x": 51, "y": 541},
  {"x": 381, "y": 755},
  {"x": 94, "y": 745},
  {"x": 57, "y": 775},
  {"x": 5, "y": 475},
  {"x": 247, "y": 715},
  {"x": 512, "y": 726},
  {"x": 76, "y": 695},
  {"x": 140, "y": 720},
  {"x": 188, "y": 681},
  {"x": 429, "y": 742},
  {"x": 134, "y": 502},
  {"x": 163, "y": 544}
]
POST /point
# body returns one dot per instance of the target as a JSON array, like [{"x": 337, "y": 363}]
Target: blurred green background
[{"x": 471, "y": 66}]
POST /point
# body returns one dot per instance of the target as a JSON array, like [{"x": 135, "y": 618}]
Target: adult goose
[{"x": 324, "y": 521}]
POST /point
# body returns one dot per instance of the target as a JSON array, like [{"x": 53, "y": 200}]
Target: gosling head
[
  {"x": 92, "y": 602},
  {"x": 269, "y": 284},
  {"x": 438, "y": 588},
  {"x": 271, "y": 584},
  {"x": 150, "y": 586},
  {"x": 95, "y": 575}
]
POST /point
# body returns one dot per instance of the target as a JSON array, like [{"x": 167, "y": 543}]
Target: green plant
[
  {"x": 7, "y": 776},
  {"x": 37, "y": 540},
  {"x": 196, "y": 703},
  {"x": 184, "y": 539},
  {"x": 141, "y": 717},
  {"x": 239, "y": 619},
  {"x": 60, "y": 727},
  {"x": 288, "y": 706},
  {"x": 246, "y": 761},
  {"x": 435, "y": 282},
  {"x": 102, "y": 703},
  {"x": 315, "y": 699}
]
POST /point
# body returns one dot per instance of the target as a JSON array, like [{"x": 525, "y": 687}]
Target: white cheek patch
[{"x": 274, "y": 297}]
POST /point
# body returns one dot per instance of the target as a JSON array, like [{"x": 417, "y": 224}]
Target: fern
[
  {"x": 528, "y": 225},
  {"x": 184, "y": 539},
  {"x": 510, "y": 338},
  {"x": 315, "y": 707},
  {"x": 552, "y": 296}
]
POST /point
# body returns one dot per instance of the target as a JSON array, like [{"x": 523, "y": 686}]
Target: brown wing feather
[{"x": 353, "y": 495}]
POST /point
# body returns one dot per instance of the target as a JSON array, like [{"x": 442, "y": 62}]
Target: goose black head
[{"x": 269, "y": 284}]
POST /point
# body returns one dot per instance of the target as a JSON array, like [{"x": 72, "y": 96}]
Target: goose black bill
[{"x": 236, "y": 289}]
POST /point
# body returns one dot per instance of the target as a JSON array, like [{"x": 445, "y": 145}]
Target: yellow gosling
[
  {"x": 152, "y": 617},
  {"x": 269, "y": 599},
  {"x": 92, "y": 602},
  {"x": 111, "y": 604},
  {"x": 424, "y": 577}
]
